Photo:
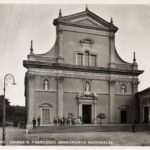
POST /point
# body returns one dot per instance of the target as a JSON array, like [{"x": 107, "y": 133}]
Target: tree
[
  {"x": 13, "y": 113},
  {"x": 101, "y": 116},
  {"x": 7, "y": 105}
]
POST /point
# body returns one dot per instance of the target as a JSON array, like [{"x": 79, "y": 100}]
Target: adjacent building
[
  {"x": 82, "y": 74},
  {"x": 143, "y": 101}
]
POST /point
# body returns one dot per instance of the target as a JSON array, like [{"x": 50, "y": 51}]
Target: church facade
[{"x": 82, "y": 74}]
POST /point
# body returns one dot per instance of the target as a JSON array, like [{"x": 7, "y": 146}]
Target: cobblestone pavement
[{"x": 15, "y": 136}]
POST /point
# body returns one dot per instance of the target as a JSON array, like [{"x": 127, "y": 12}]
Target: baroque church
[{"x": 81, "y": 74}]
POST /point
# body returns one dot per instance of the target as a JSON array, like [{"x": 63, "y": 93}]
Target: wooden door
[{"x": 45, "y": 116}]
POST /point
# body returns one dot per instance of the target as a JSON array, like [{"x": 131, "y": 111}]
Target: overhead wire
[
  {"x": 7, "y": 29},
  {"x": 18, "y": 24}
]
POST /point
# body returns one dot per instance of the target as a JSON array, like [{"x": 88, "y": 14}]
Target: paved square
[{"x": 16, "y": 136}]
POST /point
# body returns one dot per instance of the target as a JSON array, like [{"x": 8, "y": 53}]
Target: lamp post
[{"x": 7, "y": 78}]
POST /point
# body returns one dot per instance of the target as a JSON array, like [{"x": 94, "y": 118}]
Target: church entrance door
[
  {"x": 123, "y": 116},
  {"x": 45, "y": 116},
  {"x": 86, "y": 114},
  {"x": 146, "y": 114}
]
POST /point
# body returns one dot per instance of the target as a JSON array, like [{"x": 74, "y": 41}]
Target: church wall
[
  {"x": 118, "y": 87},
  {"x": 71, "y": 84},
  {"x": 39, "y": 84},
  {"x": 52, "y": 83},
  {"x": 72, "y": 45},
  {"x": 128, "y": 87},
  {"x": 103, "y": 106},
  {"x": 99, "y": 86},
  {"x": 76, "y": 85},
  {"x": 70, "y": 104},
  {"x": 42, "y": 97},
  {"x": 121, "y": 100}
]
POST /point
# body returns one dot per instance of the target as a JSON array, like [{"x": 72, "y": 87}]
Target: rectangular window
[
  {"x": 86, "y": 60},
  {"x": 93, "y": 60},
  {"x": 79, "y": 59}
]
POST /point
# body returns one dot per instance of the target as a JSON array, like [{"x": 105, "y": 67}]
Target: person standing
[
  {"x": 34, "y": 122},
  {"x": 39, "y": 120},
  {"x": 133, "y": 126}
]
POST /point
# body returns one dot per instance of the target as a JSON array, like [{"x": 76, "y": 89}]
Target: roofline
[{"x": 144, "y": 91}]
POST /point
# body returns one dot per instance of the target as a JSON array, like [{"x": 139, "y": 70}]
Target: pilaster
[
  {"x": 135, "y": 84},
  {"x": 112, "y": 101},
  {"x": 60, "y": 46},
  {"x": 60, "y": 96},
  {"x": 111, "y": 49},
  {"x": 29, "y": 99}
]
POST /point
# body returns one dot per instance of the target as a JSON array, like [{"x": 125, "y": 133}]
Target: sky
[{"x": 21, "y": 23}]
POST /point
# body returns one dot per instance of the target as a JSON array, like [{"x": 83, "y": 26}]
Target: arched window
[{"x": 46, "y": 84}]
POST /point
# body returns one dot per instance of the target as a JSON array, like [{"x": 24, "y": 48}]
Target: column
[
  {"x": 60, "y": 93},
  {"x": 112, "y": 101}
]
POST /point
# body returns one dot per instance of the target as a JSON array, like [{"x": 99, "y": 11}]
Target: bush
[{"x": 101, "y": 116}]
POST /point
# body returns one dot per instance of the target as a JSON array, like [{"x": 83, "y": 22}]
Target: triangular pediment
[
  {"x": 85, "y": 18},
  {"x": 87, "y": 21}
]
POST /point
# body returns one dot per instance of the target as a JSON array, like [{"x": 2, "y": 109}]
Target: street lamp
[{"x": 7, "y": 78}]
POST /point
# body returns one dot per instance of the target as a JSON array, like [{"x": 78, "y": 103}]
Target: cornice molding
[
  {"x": 86, "y": 26},
  {"x": 47, "y": 65}
]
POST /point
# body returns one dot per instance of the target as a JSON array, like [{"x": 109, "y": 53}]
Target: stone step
[{"x": 84, "y": 128}]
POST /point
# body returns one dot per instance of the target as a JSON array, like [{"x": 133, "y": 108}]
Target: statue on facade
[
  {"x": 46, "y": 84},
  {"x": 123, "y": 88},
  {"x": 87, "y": 87}
]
